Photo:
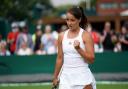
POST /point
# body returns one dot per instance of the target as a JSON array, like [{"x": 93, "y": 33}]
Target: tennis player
[{"x": 75, "y": 52}]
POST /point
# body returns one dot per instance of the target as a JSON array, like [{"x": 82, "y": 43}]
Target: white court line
[
  {"x": 24, "y": 84},
  {"x": 112, "y": 82},
  {"x": 49, "y": 83}
]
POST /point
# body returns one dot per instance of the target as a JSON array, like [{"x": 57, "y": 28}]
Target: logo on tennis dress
[{"x": 70, "y": 43}]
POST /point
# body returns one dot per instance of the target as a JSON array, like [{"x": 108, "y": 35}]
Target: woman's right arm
[{"x": 59, "y": 60}]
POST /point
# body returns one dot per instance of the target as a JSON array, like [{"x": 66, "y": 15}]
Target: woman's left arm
[{"x": 88, "y": 54}]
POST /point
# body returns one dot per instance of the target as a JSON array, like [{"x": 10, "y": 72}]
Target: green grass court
[{"x": 48, "y": 86}]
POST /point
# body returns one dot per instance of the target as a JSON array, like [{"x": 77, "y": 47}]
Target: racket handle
[{"x": 54, "y": 87}]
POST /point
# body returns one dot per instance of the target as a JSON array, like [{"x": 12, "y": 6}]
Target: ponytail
[{"x": 83, "y": 22}]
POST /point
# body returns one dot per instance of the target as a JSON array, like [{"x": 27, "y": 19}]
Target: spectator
[
  {"x": 124, "y": 37},
  {"x": 24, "y": 50},
  {"x": 96, "y": 38},
  {"x": 3, "y": 50},
  {"x": 40, "y": 50},
  {"x": 117, "y": 47},
  {"x": 12, "y": 37},
  {"x": 24, "y": 36},
  {"x": 107, "y": 37},
  {"x": 48, "y": 41},
  {"x": 37, "y": 31},
  {"x": 37, "y": 42}
]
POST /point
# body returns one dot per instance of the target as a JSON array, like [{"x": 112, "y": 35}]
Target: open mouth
[{"x": 70, "y": 26}]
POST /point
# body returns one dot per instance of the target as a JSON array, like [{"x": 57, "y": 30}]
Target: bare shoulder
[
  {"x": 61, "y": 35},
  {"x": 86, "y": 35}
]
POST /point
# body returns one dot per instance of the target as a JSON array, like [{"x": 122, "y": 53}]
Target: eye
[
  {"x": 72, "y": 20},
  {"x": 66, "y": 19}
]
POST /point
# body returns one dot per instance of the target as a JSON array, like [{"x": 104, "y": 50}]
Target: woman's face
[
  {"x": 124, "y": 31},
  {"x": 72, "y": 22}
]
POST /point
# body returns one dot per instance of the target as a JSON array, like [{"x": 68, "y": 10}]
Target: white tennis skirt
[{"x": 76, "y": 78}]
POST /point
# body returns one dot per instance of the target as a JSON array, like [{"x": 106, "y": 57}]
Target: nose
[{"x": 69, "y": 22}]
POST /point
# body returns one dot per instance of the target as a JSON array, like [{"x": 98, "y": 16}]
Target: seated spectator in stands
[
  {"x": 24, "y": 36},
  {"x": 124, "y": 37},
  {"x": 38, "y": 32},
  {"x": 3, "y": 50},
  {"x": 96, "y": 38},
  {"x": 40, "y": 50},
  {"x": 117, "y": 47},
  {"x": 37, "y": 39},
  {"x": 107, "y": 37},
  {"x": 24, "y": 50},
  {"x": 49, "y": 41},
  {"x": 12, "y": 37}
]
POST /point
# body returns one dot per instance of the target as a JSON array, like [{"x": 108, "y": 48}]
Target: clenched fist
[{"x": 76, "y": 44}]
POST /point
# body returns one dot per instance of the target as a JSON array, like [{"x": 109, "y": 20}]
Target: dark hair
[
  {"x": 79, "y": 14},
  {"x": 126, "y": 25}
]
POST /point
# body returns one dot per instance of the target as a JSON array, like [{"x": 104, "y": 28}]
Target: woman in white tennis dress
[{"x": 75, "y": 51}]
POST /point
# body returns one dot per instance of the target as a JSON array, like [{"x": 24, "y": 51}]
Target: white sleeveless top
[
  {"x": 71, "y": 57},
  {"x": 75, "y": 70}
]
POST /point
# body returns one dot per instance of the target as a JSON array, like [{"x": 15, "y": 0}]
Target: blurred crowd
[
  {"x": 44, "y": 42},
  {"x": 109, "y": 39}
]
